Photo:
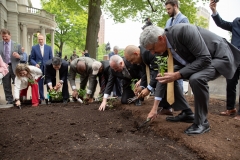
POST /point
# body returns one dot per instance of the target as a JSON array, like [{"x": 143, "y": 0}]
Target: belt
[{"x": 9, "y": 64}]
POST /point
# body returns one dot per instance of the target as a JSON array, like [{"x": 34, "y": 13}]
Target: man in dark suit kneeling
[{"x": 51, "y": 68}]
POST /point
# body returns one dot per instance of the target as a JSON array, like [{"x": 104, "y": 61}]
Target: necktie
[
  {"x": 41, "y": 48},
  {"x": 172, "y": 21},
  {"x": 148, "y": 75},
  {"x": 57, "y": 77},
  {"x": 7, "y": 53},
  {"x": 170, "y": 86},
  {"x": 103, "y": 84}
]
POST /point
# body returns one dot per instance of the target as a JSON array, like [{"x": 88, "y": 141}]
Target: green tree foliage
[
  {"x": 72, "y": 15},
  {"x": 71, "y": 24},
  {"x": 202, "y": 22}
]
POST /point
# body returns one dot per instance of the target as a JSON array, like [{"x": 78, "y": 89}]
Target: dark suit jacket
[
  {"x": 50, "y": 72},
  {"x": 105, "y": 73},
  {"x": 36, "y": 56},
  {"x": 149, "y": 60},
  {"x": 233, "y": 27},
  {"x": 133, "y": 70},
  {"x": 201, "y": 48}
]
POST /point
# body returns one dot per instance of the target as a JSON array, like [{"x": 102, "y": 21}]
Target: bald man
[
  {"x": 141, "y": 56},
  {"x": 83, "y": 66},
  {"x": 122, "y": 69}
]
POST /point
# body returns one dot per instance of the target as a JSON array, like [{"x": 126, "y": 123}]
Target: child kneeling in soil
[{"x": 27, "y": 76}]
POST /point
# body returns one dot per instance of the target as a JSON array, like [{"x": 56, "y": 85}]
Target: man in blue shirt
[{"x": 25, "y": 57}]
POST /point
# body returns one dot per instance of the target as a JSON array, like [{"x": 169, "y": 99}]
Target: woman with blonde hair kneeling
[{"x": 27, "y": 76}]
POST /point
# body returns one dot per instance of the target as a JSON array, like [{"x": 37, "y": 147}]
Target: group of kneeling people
[{"x": 198, "y": 56}]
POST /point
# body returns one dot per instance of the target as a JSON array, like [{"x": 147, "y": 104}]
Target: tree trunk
[{"x": 94, "y": 14}]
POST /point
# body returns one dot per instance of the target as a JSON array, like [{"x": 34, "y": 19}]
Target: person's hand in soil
[
  {"x": 103, "y": 105},
  {"x": 18, "y": 103},
  {"x": 74, "y": 94},
  {"x": 153, "y": 113}
]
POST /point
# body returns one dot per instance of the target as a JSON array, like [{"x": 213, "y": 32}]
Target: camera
[
  {"x": 215, "y": 1},
  {"x": 147, "y": 23}
]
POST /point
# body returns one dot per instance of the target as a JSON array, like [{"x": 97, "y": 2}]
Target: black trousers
[{"x": 231, "y": 90}]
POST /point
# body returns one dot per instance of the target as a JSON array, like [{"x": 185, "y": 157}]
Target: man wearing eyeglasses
[{"x": 199, "y": 54}]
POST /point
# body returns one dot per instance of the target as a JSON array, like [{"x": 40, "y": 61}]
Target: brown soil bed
[{"x": 76, "y": 131}]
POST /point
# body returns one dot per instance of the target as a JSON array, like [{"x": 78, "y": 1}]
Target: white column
[
  {"x": 52, "y": 41},
  {"x": 25, "y": 37},
  {"x": 43, "y": 33},
  {"x": 30, "y": 42}
]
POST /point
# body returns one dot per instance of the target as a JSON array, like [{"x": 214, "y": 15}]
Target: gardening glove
[{"x": 18, "y": 103}]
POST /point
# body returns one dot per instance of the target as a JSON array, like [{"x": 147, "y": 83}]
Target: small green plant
[
  {"x": 81, "y": 92},
  {"x": 55, "y": 95},
  {"x": 31, "y": 81},
  {"x": 162, "y": 64},
  {"x": 110, "y": 102},
  {"x": 133, "y": 82}
]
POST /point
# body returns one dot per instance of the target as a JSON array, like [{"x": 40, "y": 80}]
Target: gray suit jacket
[
  {"x": 73, "y": 71},
  {"x": 201, "y": 48},
  {"x": 14, "y": 48}
]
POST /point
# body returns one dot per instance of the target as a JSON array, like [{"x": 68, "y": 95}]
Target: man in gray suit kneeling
[{"x": 202, "y": 56}]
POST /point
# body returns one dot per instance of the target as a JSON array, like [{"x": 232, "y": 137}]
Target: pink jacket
[{"x": 3, "y": 67}]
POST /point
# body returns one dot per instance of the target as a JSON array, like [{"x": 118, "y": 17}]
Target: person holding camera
[{"x": 233, "y": 27}]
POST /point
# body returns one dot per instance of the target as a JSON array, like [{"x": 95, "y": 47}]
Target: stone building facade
[{"x": 23, "y": 21}]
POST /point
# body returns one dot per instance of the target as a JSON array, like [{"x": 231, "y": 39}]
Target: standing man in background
[
  {"x": 25, "y": 56},
  {"x": 117, "y": 84},
  {"x": 40, "y": 54},
  {"x": 172, "y": 7},
  {"x": 11, "y": 54},
  {"x": 73, "y": 56},
  {"x": 85, "y": 53},
  {"x": 233, "y": 27}
]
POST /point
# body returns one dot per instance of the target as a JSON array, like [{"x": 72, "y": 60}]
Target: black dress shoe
[
  {"x": 195, "y": 129},
  {"x": 9, "y": 102},
  {"x": 182, "y": 117},
  {"x": 66, "y": 101}
]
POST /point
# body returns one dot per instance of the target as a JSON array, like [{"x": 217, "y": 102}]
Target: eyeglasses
[{"x": 152, "y": 49}]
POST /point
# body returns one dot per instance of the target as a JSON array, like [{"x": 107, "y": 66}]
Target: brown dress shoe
[
  {"x": 229, "y": 112},
  {"x": 166, "y": 112}
]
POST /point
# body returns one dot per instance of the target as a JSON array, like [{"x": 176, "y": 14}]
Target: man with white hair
[
  {"x": 199, "y": 55},
  {"x": 124, "y": 70},
  {"x": 118, "y": 84}
]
